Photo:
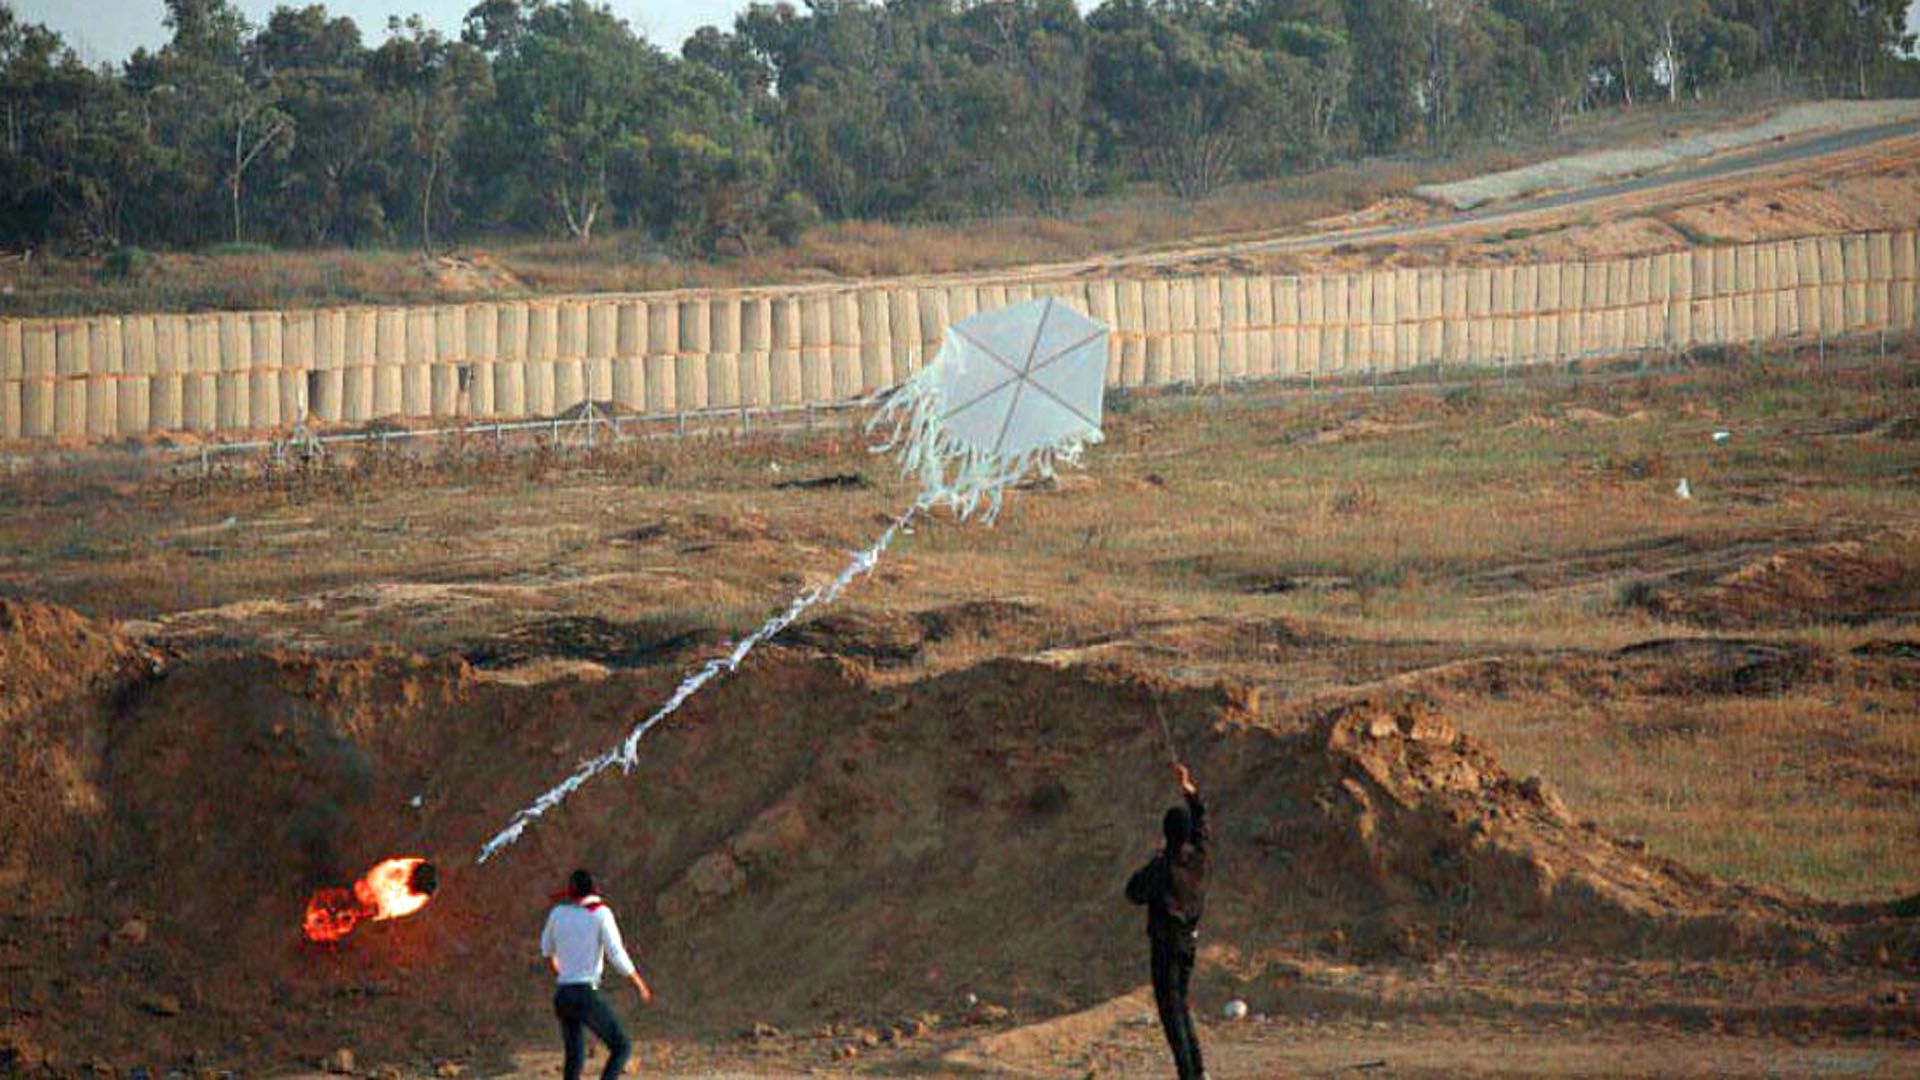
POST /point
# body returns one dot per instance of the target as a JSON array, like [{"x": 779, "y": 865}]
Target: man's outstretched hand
[
  {"x": 1185, "y": 777},
  {"x": 640, "y": 984}
]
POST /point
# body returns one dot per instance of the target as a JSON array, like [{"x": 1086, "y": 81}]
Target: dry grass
[
  {"x": 1136, "y": 219},
  {"x": 1404, "y": 527}
]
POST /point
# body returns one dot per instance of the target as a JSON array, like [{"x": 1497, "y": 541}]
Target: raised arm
[{"x": 1196, "y": 810}]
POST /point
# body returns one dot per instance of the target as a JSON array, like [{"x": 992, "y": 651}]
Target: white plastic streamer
[
  {"x": 627, "y": 754},
  {"x": 951, "y": 470}
]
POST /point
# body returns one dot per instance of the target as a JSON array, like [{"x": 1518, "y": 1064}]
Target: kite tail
[
  {"x": 627, "y": 754},
  {"x": 949, "y": 470}
]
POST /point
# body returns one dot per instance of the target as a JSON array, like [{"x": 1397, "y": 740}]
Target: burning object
[{"x": 392, "y": 889}]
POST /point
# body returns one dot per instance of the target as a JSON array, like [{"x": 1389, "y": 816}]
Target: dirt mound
[
  {"x": 589, "y": 637},
  {"x": 472, "y": 273},
  {"x": 60, "y": 676},
  {"x": 1847, "y": 582},
  {"x": 808, "y": 840}
]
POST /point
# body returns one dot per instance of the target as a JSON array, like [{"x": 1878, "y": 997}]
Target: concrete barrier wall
[{"x": 117, "y": 376}]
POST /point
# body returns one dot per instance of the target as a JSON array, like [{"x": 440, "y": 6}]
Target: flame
[
  {"x": 392, "y": 889},
  {"x": 387, "y": 889}
]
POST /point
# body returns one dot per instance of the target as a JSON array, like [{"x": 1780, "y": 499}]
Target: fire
[{"x": 391, "y": 890}]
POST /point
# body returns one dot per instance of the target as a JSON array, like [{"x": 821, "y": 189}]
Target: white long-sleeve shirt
[{"x": 580, "y": 935}]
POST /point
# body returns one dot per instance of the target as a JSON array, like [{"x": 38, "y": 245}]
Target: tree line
[{"x": 555, "y": 117}]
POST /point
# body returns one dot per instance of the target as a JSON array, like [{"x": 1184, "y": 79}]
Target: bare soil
[{"x": 1521, "y": 765}]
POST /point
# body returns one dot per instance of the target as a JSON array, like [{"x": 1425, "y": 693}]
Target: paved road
[{"x": 1832, "y": 144}]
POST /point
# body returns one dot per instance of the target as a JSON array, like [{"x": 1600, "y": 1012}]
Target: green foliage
[
  {"x": 555, "y": 117},
  {"x": 127, "y": 264}
]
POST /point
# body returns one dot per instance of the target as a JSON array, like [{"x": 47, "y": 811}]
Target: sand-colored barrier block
[
  {"x": 13, "y": 371},
  {"x": 477, "y": 384},
  {"x": 1100, "y": 300},
  {"x": 483, "y": 331},
  {"x": 962, "y": 301},
  {"x": 1833, "y": 281},
  {"x": 1726, "y": 262},
  {"x": 570, "y": 330},
  {"x": 1806, "y": 288},
  {"x": 543, "y": 388},
  {"x": 630, "y": 354},
  {"x": 783, "y": 345},
  {"x": 1766, "y": 314},
  {"x": 233, "y": 408},
  {"x": 695, "y": 321},
  {"x": 569, "y": 384},
  {"x": 843, "y": 324},
  {"x": 932, "y": 304},
  {"x": 1286, "y": 326},
  {"x": 1904, "y": 289},
  {"x": 416, "y": 377},
  {"x": 167, "y": 395},
  {"x": 39, "y": 411},
  {"x": 1746, "y": 269},
  {"x": 444, "y": 385},
  {"x": 1182, "y": 327},
  {"x": 389, "y": 388},
  {"x": 1429, "y": 284},
  {"x": 1526, "y": 338},
  {"x": 875, "y": 325},
  {"x": 661, "y": 323},
  {"x": 603, "y": 329},
  {"x": 510, "y": 389},
  {"x": 200, "y": 383},
  {"x": 1129, "y": 331},
  {"x": 511, "y": 335},
  {"x": 103, "y": 373},
  {"x": 1156, "y": 314},
  {"x": 1208, "y": 341},
  {"x": 816, "y": 346},
  {"x": 390, "y": 336},
  {"x": 142, "y": 343},
  {"x": 232, "y": 402},
  {"x": 300, "y": 340},
  {"x": 1236, "y": 327},
  {"x": 756, "y": 351},
  {"x": 543, "y": 332},
  {"x": 1700, "y": 273},
  {"x": 1879, "y": 280},
  {"x": 359, "y": 346},
  {"x": 1261, "y": 351},
  {"x": 630, "y": 327},
  {"x": 723, "y": 352},
  {"x": 264, "y": 405},
  {"x": 1453, "y": 315},
  {"x": 903, "y": 322}
]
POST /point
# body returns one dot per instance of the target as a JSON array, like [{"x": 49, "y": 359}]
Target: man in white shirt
[{"x": 580, "y": 935}]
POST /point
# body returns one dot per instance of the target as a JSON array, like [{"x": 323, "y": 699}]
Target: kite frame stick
[{"x": 1166, "y": 731}]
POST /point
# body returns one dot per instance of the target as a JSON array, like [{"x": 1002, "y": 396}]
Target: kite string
[{"x": 627, "y": 754}]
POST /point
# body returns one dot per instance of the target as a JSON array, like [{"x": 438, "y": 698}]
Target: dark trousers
[
  {"x": 578, "y": 1006},
  {"x": 1172, "y": 968}
]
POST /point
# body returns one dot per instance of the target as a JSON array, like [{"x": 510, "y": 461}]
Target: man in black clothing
[{"x": 1173, "y": 886}]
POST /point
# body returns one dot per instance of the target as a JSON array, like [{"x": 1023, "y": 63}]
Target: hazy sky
[{"x": 109, "y": 30}]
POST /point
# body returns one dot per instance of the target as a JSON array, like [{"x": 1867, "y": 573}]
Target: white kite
[{"x": 1012, "y": 392}]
